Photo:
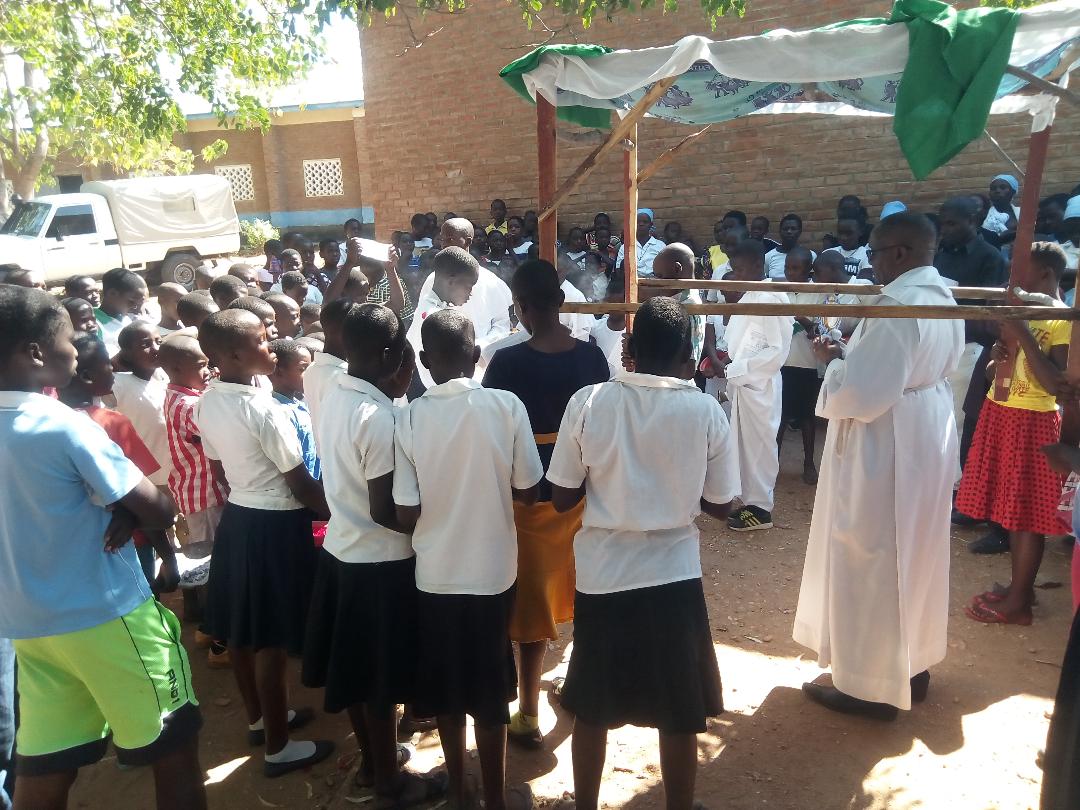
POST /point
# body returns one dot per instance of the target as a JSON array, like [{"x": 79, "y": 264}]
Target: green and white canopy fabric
[{"x": 939, "y": 71}]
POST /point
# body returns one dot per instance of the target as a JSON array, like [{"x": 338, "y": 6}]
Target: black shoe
[
  {"x": 300, "y": 719},
  {"x": 920, "y": 684},
  {"x": 750, "y": 519},
  {"x": 995, "y": 541},
  {"x": 963, "y": 521},
  {"x": 832, "y": 698},
  {"x": 323, "y": 749}
]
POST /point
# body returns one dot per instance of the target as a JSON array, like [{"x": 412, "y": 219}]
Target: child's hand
[
  {"x": 352, "y": 251},
  {"x": 121, "y": 526},
  {"x": 999, "y": 352},
  {"x": 168, "y": 578},
  {"x": 826, "y": 349}
]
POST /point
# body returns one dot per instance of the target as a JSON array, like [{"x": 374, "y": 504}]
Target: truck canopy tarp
[{"x": 172, "y": 209}]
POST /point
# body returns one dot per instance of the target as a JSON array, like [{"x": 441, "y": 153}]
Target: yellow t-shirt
[
  {"x": 1025, "y": 391},
  {"x": 494, "y": 227}
]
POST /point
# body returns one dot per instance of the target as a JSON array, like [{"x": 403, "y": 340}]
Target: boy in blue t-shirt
[
  {"x": 98, "y": 657},
  {"x": 293, "y": 359}
]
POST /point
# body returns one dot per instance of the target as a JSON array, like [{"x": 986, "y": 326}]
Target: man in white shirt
[
  {"x": 646, "y": 245},
  {"x": 874, "y": 601},
  {"x": 463, "y": 454},
  {"x": 856, "y": 262},
  {"x": 790, "y": 232},
  {"x": 758, "y": 346}
]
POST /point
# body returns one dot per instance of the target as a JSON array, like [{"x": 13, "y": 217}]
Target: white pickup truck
[{"x": 166, "y": 225}]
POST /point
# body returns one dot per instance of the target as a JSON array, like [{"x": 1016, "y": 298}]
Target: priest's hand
[{"x": 826, "y": 349}]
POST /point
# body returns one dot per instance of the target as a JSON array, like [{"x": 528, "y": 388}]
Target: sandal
[
  {"x": 366, "y": 781},
  {"x": 413, "y": 789},
  {"x": 558, "y": 684},
  {"x": 997, "y": 594},
  {"x": 982, "y": 612}
]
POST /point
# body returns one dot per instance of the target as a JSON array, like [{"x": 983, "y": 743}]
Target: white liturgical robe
[
  {"x": 875, "y": 590},
  {"x": 758, "y": 346}
]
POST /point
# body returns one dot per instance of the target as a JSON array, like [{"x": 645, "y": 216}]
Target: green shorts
[{"x": 128, "y": 679}]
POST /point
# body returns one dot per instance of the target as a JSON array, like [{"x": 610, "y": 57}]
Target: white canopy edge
[{"x": 854, "y": 51}]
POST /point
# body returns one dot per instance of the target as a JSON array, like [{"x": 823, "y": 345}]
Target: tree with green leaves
[{"x": 96, "y": 80}]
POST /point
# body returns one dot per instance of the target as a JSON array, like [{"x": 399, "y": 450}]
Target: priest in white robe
[
  {"x": 758, "y": 346},
  {"x": 875, "y": 589}
]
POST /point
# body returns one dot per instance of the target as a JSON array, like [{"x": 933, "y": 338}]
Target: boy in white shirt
[
  {"x": 639, "y": 594},
  {"x": 758, "y": 346},
  {"x": 123, "y": 295},
  {"x": 361, "y": 640},
  {"x": 453, "y": 281},
  {"x": 463, "y": 455},
  {"x": 856, "y": 259},
  {"x": 790, "y": 231}
]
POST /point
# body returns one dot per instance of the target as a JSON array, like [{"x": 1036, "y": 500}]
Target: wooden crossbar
[
  {"x": 959, "y": 312},
  {"x": 971, "y": 293}
]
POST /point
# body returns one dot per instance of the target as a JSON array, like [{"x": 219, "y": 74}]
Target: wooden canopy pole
[
  {"x": 1021, "y": 254},
  {"x": 630, "y": 207},
  {"x": 547, "y": 172},
  {"x": 617, "y": 135},
  {"x": 666, "y": 157}
]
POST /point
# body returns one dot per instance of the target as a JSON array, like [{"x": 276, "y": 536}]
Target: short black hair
[
  {"x": 273, "y": 246},
  {"x": 910, "y": 228},
  {"x": 792, "y": 218},
  {"x": 127, "y": 334},
  {"x": 448, "y": 334},
  {"x": 10, "y": 272},
  {"x": 223, "y": 331},
  {"x": 370, "y": 329},
  {"x": 294, "y": 278},
  {"x": 738, "y": 216},
  {"x": 223, "y": 285},
  {"x": 27, "y": 316},
  {"x": 293, "y": 251},
  {"x": 750, "y": 249},
  {"x": 500, "y": 202},
  {"x": 536, "y": 284},
  {"x": 253, "y": 304},
  {"x": 803, "y": 253},
  {"x": 454, "y": 261},
  {"x": 88, "y": 348},
  {"x": 194, "y": 303},
  {"x": 310, "y": 310},
  {"x": 515, "y": 218},
  {"x": 122, "y": 279},
  {"x": 289, "y": 349},
  {"x": 577, "y": 229},
  {"x": 353, "y": 221},
  {"x": 73, "y": 280},
  {"x": 323, "y": 243},
  {"x": 662, "y": 330},
  {"x": 761, "y": 218},
  {"x": 1061, "y": 200},
  {"x": 1050, "y": 254},
  {"x": 335, "y": 313},
  {"x": 418, "y": 219},
  {"x": 75, "y": 303},
  {"x": 963, "y": 205}
]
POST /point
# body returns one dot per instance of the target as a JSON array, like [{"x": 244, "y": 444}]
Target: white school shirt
[
  {"x": 855, "y": 261},
  {"x": 646, "y": 254},
  {"x": 143, "y": 402},
  {"x": 358, "y": 446},
  {"x": 647, "y": 448},
  {"x": 718, "y": 273},
  {"x": 578, "y": 323},
  {"x": 459, "y": 449},
  {"x": 255, "y": 440},
  {"x": 319, "y": 378},
  {"x": 488, "y": 308},
  {"x": 775, "y": 261},
  {"x": 610, "y": 342}
]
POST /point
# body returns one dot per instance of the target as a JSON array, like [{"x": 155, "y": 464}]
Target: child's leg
[
  {"x": 178, "y": 779},
  {"x": 381, "y": 724},
  {"x": 243, "y": 666},
  {"x": 809, "y": 442},
  {"x": 1026, "y": 549},
  {"x": 531, "y": 667},
  {"x": 44, "y": 792},
  {"x": 589, "y": 748},
  {"x": 452, "y": 735},
  {"x": 270, "y": 664},
  {"x": 780, "y": 435},
  {"x": 491, "y": 746},
  {"x": 678, "y": 766},
  {"x": 363, "y": 742}
]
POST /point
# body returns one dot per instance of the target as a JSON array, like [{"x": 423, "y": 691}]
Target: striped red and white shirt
[{"x": 191, "y": 483}]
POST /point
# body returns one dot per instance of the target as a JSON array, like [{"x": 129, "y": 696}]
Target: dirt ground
[{"x": 972, "y": 745}]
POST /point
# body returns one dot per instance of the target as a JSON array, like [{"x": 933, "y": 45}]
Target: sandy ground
[{"x": 972, "y": 745}]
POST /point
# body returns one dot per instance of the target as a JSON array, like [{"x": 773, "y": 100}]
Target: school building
[{"x": 444, "y": 132}]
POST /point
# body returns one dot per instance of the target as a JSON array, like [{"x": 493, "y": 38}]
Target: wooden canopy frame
[{"x": 625, "y": 134}]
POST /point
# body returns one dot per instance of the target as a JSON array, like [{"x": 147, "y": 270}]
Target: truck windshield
[{"x": 26, "y": 219}]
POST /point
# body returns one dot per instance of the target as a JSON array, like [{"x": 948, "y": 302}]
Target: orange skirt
[{"x": 545, "y": 583}]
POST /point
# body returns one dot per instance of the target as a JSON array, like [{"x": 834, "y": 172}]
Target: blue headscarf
[
  {"x": 894, "y": 207},
  {"x": 1008, "y": 178},
  {"x": 648, "y": 212}
]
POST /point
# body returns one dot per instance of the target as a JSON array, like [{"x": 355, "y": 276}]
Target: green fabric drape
[{"x": 589, "y": 117}]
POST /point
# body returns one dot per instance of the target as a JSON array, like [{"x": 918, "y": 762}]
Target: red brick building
[{"x": 444, "y": 132}]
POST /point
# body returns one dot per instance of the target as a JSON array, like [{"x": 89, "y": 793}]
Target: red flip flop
[{"x": 987, "y": 615}]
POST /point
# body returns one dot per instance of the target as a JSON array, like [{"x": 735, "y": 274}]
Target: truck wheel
[{"x": 180, "y": 267}]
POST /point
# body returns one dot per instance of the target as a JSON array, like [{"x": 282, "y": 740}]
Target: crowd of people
[{"x": 400, "y": 462}]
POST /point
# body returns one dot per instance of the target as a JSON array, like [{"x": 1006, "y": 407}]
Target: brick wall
[
  {"x": 245, "y": 146},
  {"x": 444, "y": 132}
]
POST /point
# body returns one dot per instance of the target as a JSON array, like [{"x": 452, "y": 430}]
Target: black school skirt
[
  {"x": 644, "y": 657},
  {"x": 261, "y": 575},
  {"x": 466, "y": 661},
  {"x": 361, "y": 632}
]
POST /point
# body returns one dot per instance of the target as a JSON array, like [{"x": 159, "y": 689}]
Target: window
[
  {"x": 71, "y": 220},
  {"x": 69, "y": 183},
  {"x": 322, "y": 178},
  {"x": 27, "y": 219},
  {"x": 239, "y": 177}
]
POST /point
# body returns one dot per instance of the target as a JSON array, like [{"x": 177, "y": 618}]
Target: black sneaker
[
  {"x": 750, "y": 519},
  {"x": 963, "y": 521},
  {"x": 994, "y": 542}
]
